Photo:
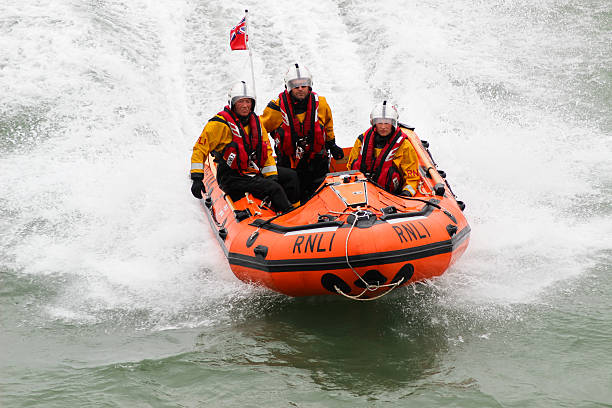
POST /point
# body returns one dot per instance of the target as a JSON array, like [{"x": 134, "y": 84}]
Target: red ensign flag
[{"x": 238, "y": 36}]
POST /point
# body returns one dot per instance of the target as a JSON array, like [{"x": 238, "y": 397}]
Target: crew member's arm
[
  {"x": 408, "y": 163},
  {"x": 326, "y": 119},
  {"x": 269, "y": 168},
  {"x": 208, "y": 140},
  {"x": 271, "y": 118},
  {"x": 354, "y": 153},
  {"x": 215, "y": 136},
  {"x": 200, "y": 152}
]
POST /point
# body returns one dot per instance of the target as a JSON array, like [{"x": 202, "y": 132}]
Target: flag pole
[{"x": 246, "y": 22}]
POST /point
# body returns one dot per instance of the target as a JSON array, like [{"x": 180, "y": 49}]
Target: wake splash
[{"x": 96, "y": 184}]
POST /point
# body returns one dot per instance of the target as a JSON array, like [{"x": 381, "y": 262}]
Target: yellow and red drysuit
[
  {"x": 401, "y": 160},
  {"x": 272, "y": 119},
  {"x": 217, "y": 135},
  {"x": 243, "y": 153}
]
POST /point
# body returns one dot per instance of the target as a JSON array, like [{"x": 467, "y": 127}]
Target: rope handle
[
  {"x": 358, "y": 297},
  {"x": 360, "y": 214}
]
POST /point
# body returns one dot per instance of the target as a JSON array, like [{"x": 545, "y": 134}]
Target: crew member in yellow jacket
[
  {"x": 240, "y": 146},
  {"x": 301, "y": 124},
  {"x": 385, "y": 155}
]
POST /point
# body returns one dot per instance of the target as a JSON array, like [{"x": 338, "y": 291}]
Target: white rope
[
  {"x": 357, "y": 215},
  {"x": 368, "y": 287},
  {"x": 358, "y": 297}
]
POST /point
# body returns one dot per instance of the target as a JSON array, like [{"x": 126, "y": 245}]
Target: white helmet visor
[
  {"x": 389, "y": 121},
  {"x": 298, "y": 82},
  {"x": 239, "y": 98}
]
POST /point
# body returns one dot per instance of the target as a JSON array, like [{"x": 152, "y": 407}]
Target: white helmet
[
  {"x": 384, "y": 113},
  {"x": 297, "y": 76},
  {"x": 238, "y": 91}
]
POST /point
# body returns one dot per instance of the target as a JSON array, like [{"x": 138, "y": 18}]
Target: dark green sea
[{"x": 114, "y": 292}]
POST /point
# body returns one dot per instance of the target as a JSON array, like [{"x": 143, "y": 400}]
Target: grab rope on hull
[{"x": 363, "y": 214}]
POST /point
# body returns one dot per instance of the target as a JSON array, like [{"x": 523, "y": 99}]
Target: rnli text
[
  {"x": 313, "y": 243},
  {"x": 411, "y": 232}
]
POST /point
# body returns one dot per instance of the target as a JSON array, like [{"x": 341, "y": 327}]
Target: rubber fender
[
  {"x": 329, "y": 280},
  {"x": 405, "y": 272},
  {"x": 373, "y": 277}
]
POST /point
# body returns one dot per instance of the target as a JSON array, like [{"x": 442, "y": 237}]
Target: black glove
[
  {"x": 405, "y": 193},
  {"x": 197, "y": 188},
  {"x": 335, "y": 150}
]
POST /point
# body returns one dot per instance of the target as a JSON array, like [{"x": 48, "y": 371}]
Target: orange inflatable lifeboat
[{"x": 351, "y": 238}]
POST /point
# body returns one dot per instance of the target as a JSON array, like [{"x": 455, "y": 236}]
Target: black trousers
[
  {"x": 235, "y": 185},
  {"x": 311, "y": 174},
  {"x": 288, "y": 178}
]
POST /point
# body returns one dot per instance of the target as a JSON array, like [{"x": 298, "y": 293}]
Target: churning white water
[{"x": 102, "y": 101}]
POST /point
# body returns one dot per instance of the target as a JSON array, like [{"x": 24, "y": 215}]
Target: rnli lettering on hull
[
  {"x": 411, "y": 232},
  {"x": 322, "y": 242},
  {"x": 312, "y": 243}
]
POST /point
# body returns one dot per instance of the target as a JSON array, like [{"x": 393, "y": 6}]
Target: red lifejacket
[
  {"x": 381, "y": 169},
  {"x": 308, "y": 135},
  {"x": 244, "y": 148}
]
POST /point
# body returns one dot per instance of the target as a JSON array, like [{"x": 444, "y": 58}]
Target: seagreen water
[{"x": 113, "y": 292}]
